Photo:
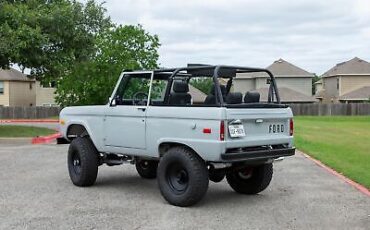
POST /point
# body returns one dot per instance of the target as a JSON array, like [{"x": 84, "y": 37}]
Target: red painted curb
[
  {"x": 356, "y": 185},
  {"x": 45, "y": 139},
  {"x": 30, "y": 121}
]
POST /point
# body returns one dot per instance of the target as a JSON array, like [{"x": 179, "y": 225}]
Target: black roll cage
[{"x": 217, "y": 71}]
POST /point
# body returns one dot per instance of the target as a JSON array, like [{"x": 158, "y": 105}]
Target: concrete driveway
[{"x": 36, "y": 193}]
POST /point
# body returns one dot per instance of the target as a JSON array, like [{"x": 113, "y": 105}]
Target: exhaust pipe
[{"x": 279, "y": 159}]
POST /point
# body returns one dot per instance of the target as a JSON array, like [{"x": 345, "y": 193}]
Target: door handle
[{"x": 142, "y": 108}]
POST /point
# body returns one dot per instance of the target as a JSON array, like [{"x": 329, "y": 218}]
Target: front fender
[
  {"x": 90, "y": 117},
  {"x": 93, "y": 136}
]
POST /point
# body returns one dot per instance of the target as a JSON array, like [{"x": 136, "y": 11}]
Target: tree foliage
[
  {"x": 124, "y": 47},
  {"x": 74, "y": 45},
  {"x": 314, "y": 80},
  {"x": 204, "y": 84},
  {"x": 49, "y": 37}
]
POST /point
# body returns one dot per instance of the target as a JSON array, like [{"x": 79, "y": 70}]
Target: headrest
[
  {"x": 234, "y": 98},
  {"x": 252, "y": 97},
  {"x": 222, "y": 87},
  {"x": 180, "y": 87}
]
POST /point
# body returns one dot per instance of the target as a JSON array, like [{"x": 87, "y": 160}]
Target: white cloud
[{"x": 313, "y": 34}]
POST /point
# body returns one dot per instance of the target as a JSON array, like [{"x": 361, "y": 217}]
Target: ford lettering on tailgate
[{"x": 276, "y": 128}]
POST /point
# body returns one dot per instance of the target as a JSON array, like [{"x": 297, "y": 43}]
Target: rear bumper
[{"x": 259, "y": 155}]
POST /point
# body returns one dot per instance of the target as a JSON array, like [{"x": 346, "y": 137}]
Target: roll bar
[{"x": 217, "y": 71}]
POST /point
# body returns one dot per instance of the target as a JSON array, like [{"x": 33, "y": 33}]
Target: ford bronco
[{"x": 171, "y": 131}]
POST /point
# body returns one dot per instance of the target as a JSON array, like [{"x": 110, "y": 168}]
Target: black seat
[
  {"x": 252, "y": 97},
  {"x": 211, "y": 98},
  {"x": 234, "y": 98},
  {"x": 180, "y": 95}
]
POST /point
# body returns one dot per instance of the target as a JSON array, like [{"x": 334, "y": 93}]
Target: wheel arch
[
  {"x": 165, "y": 146},
  {"x": 79, "y": 130},
  {"x": 75, "y": 130}
]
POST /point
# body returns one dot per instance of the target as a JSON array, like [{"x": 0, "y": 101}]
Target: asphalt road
[{"x": 36, "y": 193}]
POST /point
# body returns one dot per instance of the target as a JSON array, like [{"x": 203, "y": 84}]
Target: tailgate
[{"x": 256, "y": 127}]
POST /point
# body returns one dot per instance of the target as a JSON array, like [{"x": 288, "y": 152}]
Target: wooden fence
[
  {"x": 28, "y": 112},
  {"x": 298, "y": 109},
  {"x": 317, "y": 109}
]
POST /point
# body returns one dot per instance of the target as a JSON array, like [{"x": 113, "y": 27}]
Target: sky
[{"x": 314, "y": 34}]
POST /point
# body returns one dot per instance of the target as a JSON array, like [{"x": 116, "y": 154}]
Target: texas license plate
[{"x": 236, "y": 131}]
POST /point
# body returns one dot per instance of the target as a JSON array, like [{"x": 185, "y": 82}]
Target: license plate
[
  {"x": 276, "y": 128},
  {"x": 236, "y": 131}
]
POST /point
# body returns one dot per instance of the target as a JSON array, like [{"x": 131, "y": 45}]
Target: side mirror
[{"x": 112, "y": 101}]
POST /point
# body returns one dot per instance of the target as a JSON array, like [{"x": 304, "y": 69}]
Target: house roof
[
  {"x": 196, "y": 94},
  {"x": 354, "y": 66},
  {"x": 360, "y": 94},
  {"x": 283, "y": 68},
  {"x": 280, "y": 68},
  {"x": 13, "y": 75},
  {"x": 286, "y": 95}
]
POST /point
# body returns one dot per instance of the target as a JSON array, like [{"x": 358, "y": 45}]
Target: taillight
[
  {"x": 291, "y": 127},
  {"x": 222, "y": 131}
]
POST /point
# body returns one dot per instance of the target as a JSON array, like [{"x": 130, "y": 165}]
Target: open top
[{"x": 171, "y": 87}]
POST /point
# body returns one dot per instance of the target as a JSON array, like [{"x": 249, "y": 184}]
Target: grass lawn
[
  {"x": 342, "y": 143},
  {"x": 23, "y": 131}
]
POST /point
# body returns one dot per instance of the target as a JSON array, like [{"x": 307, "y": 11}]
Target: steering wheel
[{"x": 136, "y": 97}]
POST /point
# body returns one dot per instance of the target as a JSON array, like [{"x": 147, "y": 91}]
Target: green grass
[
  {"x": 54, "y": 117},
  {"x": 23, "y": 131},
  {"x": 342, "y": 143}
]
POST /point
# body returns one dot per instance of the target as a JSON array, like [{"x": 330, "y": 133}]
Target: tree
[
  {"x": 73, "y": 45},
  {"x": 204, "y": 84},
  {"x": 49, "y": 36},
  {"x": 314, "y": 80},
  {"x": 123, "y": 47}
]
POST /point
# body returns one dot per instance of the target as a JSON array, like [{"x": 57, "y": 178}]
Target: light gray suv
[{"x": 161, "y": 122}]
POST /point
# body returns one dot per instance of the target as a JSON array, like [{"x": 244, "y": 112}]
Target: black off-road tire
[
  {"x": 257, "y": 181},
  {"x": 83, "y": 161},
  {"x": 182, "y": 177},
  {"x": 146, "y": 168}
]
